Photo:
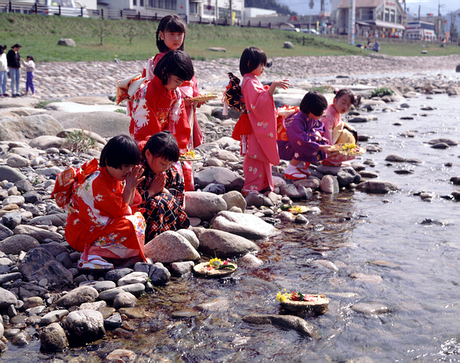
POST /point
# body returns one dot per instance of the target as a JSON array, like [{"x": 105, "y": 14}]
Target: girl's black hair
[
  {"x": 120, "y": 150},
  {"x": 2, "y": 48},
  {"x": 31, "y": 57},
  {"x": 172, "y": 24},
  {"x": 313, "y": 102},
  {"x": 251, "y": 58},
  {"x": 355, "y": 100},
  {"x": 174, "y": 63},
  {"x": 163, "y": 144}
]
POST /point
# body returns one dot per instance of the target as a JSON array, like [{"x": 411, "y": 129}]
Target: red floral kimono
[
  {"x": 262, "y": 150},
  {"x": 156, "y": 109},
  {"x": 100, "y": 223}
]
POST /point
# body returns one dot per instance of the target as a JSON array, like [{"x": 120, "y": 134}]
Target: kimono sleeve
[{"x": 109, "y": 201}]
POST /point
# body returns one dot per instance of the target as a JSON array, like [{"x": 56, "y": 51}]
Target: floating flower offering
[
  {"x": 190, "y": 156},
  {"x": 303, "y": 304},
  {"x": 294, "y": 209},
  {"x": 215, "y": 268}
]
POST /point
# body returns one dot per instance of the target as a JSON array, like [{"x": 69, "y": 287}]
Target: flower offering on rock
[{"x": 301, "y": 304}]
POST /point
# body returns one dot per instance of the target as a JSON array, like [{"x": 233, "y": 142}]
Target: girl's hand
[
  {"x": 188, "y": 102},
  {"x": 324, "y": 148},
  {"x": 134, "y": 177},
  {"x": 284, "y": 84},
  {"x": 158, "y": 184}
]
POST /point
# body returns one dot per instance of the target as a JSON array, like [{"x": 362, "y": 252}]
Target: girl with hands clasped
[
  {"x": 261, "y": 148},
  {"x": 101, "y": 201},
  {"x": 162, "y": 188}
]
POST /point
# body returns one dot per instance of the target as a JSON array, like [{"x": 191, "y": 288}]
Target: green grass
[{"x": 135, "y": 40}]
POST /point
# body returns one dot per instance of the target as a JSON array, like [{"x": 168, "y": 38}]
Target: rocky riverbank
[{"x": 37, "y": 266}]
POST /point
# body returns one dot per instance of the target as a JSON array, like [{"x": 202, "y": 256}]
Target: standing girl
[
  {"x": 170, "y": 36},
  {"x": 156, "y": 105},
  {"x": 306, "y": 137},
  {"x": 162, "y": 189},
  {"x": 337, "y": 131},
  {"x": 262, "y": 149},
  {"x": 3, "y": 70},
  {"x": 30, "y": 68},
  {"x": 14, "y": 68},
  {"x": 101, "y": 202}
]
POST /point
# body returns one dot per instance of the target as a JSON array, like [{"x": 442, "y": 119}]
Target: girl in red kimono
[
  {"x": 102, "y": 221},
  {"x": 262, "y": 150},
  {"x": 170, "y": 36},
  {"x": 158, "y": 105},
  {"x": 162, "y": 188}
]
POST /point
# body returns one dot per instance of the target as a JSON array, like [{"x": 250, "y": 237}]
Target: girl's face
[
  {"x": 158, "y": 164},
  {"x": 119, "y": 174},
  {"x": 173, "y": 40},
  {"x": 259, "y": 70},
  {"x": 173, "y": 82},
  {"x": 343, "y": 104}
]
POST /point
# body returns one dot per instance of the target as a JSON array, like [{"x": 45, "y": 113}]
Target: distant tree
[
  {"x": 102, "y": 30},
  {"x": 269, "y": 4},
  {"x": 132, "y": 29}
]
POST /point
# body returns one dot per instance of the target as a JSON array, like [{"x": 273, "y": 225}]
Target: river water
[{"x": 418, "y": 240}]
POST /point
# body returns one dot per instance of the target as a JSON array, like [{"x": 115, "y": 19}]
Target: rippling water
[{"x": 354, "y": 229}]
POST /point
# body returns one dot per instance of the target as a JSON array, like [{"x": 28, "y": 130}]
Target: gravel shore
[{"x": 61, "y": 80}]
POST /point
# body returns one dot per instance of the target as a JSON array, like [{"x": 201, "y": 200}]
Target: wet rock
[
  {"x": 296, "y": 191},
  {"x": 258, "y": 200},
  {"x": 250, "y": 261},
  {"x": 449, "y": 142},
  {"x": 53, "y": 338},
  {"x": 217, "y": 304},
  {"x": 169, "y": 247},
  {"x": 39, "y": 264},
  {"x": 244, "y": 225},
  {"x": 124, "y": 299},
  {"x": 78, "y": 296},
  {"x": 371, "y": 308},
  {"x": 327, "y": 264},
  {"x": 182, "y": 268},
  {"x": 112, "y": 322},
  {"x": 347, "y": 175},
  {"x": 366, "y": 278},
  {"x": 228, "y": 178},
  {"x": 21, "y": 339},
  {"x": 377, "y": 187},
  {"x": 329, "y": 184},
  {"x": 121, "y": 355},
  {"x": 85, "y": 325},
  {"x": 223, "y": 244},
  {"x": 116, "y": 274},
  {"x": 284, "y": 321},
  {"x": 203, "y": 205},
  {"x": 184, "y": 314}
]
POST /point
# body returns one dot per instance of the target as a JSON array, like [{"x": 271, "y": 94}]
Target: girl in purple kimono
[{"x": 306, "y": 137}]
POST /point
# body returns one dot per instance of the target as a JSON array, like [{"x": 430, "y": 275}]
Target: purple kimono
[{"x": 305, "y": 136}]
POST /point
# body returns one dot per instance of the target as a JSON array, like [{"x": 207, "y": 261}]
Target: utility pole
[
  {"x": 311, "y": 4},
  {"x": 419, "y": 7},
  {"x": 351, "y": 22}
]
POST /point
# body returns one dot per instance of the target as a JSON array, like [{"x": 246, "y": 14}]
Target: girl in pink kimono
[{"x": 261, "y": 148}]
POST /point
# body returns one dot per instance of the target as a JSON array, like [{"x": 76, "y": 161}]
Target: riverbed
[{"x": 412, "y": 244}]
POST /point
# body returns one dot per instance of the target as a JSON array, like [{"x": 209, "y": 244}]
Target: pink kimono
[{"x": 262, "y": 150}]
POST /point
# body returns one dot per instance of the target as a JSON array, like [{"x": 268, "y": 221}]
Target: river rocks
[
  {"x": 371, "y": 308},
  {"x": 234, "y": 199},
  {"x": 329, "y": 184},
  {"x": 40, "y": 264},
  {"x": 85, "y": 325},
  {"x": 53, "y": 338},
  {"x": 203, "y": 205},
  {"x": 228, "y": 178},
  {"x": 217, "y": 304},
  {"x": 6, "y": 298},
  {"x": 377, "y": 187},
  {"x": 284, "y": 321},
  {"x": 17, "y": 243},
  {"x": 170, "y": 247},
  {"x": 244, "y": 225},
  {"x": 124, "y": 300},
  {"x": 223, "y": 244},
  {"x": 78, "y": 296}
]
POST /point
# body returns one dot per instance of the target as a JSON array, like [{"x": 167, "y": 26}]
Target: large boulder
[
  {"x": 170, "y": 247},
  {"x": 23, "y": 128},
  {"x": 223, "y": 244},
  {"x": 377, "y": 187},
  {"x": 40, "y": 264},
  {"x": 18, "y": 243},
  {"x": 244, "y": 225},
  {"x": 203, "y": 205},
  {"x": 85, "y": 325}
]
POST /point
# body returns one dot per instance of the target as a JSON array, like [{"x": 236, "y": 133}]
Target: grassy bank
[{"x": 135, "y": 40}]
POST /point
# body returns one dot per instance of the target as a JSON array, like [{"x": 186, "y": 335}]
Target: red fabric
[
  {"x": 153, "y": 108},
  {"x": 242, "y": 127},
  {"x": 97, "y": 212}
]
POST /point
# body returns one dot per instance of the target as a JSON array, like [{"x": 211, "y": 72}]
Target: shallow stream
[{"x": 418, "y": 241}]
